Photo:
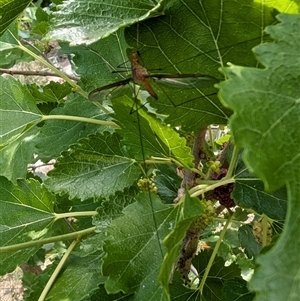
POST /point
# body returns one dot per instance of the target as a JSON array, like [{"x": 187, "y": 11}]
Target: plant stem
[
  {"x": 74, "y": 214},
  {"x": 214, "y": 253},
  {"x": 232, "y": 163},
  {"x": 265, "y": 230},
  {"x": 59, "y": 73},
  {"x": 158, "y": 162},
  {"x": 54, "y": 69},
  {"x": 211, "y": 140},
  {"x": 200, "y": 189},
  {"x": 81, "y": 119},
  {"x": 31, "y": 244},
  {"x": 58, "y": 269}
]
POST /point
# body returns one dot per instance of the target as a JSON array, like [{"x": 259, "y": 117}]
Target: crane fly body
[{"x": 140, "y": 75}]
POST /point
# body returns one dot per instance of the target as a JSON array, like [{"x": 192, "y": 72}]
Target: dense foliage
[{"x": 190, "y": 196}]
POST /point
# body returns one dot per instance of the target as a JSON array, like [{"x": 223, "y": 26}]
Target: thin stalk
[
  {"x": 232, "y": 163},
  {"x": 57, "y": 270},
  {"x": 214, "y": 253},
  {"x": 31, "y": 244},
  {"x": 59, "y": 73},
  {"x": 265, "y": 230},
  {"x": 54, "y": 69},
  {"x": 211, "y": 140},
  {"x": 80, "y": 119},
  {"x": 74, "y": 214},
  {"x": 205, "y": 181},
  {"x": 158, "y": 162},
  {"x": 200, "y": 189}
]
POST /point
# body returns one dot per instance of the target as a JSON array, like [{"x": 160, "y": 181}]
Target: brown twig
[
  {"x": 193, "y": 233},
  {"x": 34, "y": 72},
  {"x": 34, "y": 167}
]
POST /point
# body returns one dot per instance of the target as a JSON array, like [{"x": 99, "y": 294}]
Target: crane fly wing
[
  {"x": 185, "y": 81},
  {"x": 109, "y": 91}
]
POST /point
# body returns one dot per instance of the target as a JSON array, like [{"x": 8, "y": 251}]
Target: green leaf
[
  {"x": 171, "y": 139},
  {"x": 81, "y": 275},
  {"x": 102, "y": 295},
  {"x": 15, "y": 156},
  {"x": 188, "y": 210},
  {"x": 91, "y": 244},
  {"x": 96, "y": 166},
  {"x": 240, "y": 214},
  {"x": 249, "y": 193},
  {"x": 26, "y": 214},
  {"x": 9, "y": 51},
  {"x": 9, "y": 11},
  {"x": 83, "y": 22},
  {"x": 112, "y": 207},
  {"x": 236, "y": 290},
  {"x": 17, "y": 110},
  {"x": 134, "y": 252},
  {"x": 276, "y": 94},
  {"x": 273, "y": 130},
  {"x": 42, "y": 19},
  {"x": 213, "y": 289},
  {"x": 57, "y": 135},
  {"x": 158, "y": 139},
  {"x": 248, "y": 242},
  {"x": 167, "y": 182},
  {"x": 29, "y": 193},
  {"x": 202, "y": 50},
  {"x": 95, "y": 63},
  {"x": 34, "y": 284},
  {"x": 52, "y": 92}
]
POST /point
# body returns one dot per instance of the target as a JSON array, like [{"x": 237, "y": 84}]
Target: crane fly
[{"x": 140, "y": 76}]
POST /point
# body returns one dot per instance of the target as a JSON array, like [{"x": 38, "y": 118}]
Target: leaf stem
[
  {"x": 81, "y": 119},
  {"x": 58, "y": 269},
  {"x": 31, "y": 244},
  {"x": 155, "y": 161},
  {"x": 198, "y": 181},
  {"x": 265, "y": 230},
  {"x": 214, "y": 253},
  {"x": 201, "y": 189},
  {"x": 234, "y": 158},
  {"x": 54, "y": 69},
  {"x": 74, "y": 214},
  {"x": 211, "y": 140},
  {"x": 159, "y": 160}
]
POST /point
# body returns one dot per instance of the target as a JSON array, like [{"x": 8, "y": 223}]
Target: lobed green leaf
[
  {"x": 26, "y": 214},
  {"x": 272, "y": 97},
  {"x": 9, "y": 11},
  {"x": 158, "y": 139},
  {"x": 95, "y": 167},
  {"x": 86, "y": 22},
  {"x": 80, "y": 277},
  {"x": 189, "y": 209},
  {"x": 57, "y": 135},
  {"x": 17, "y": 110},
  {"x": 134, "y": 251}
]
